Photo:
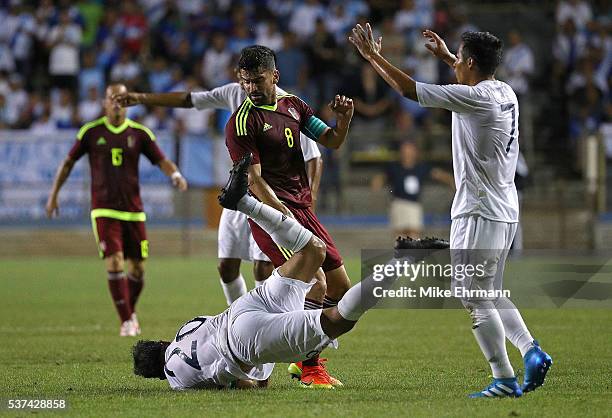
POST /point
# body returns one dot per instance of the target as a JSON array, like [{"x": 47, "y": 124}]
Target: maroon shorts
[
  {"x": 308, "y": 220},
  {"x": 113, "y": 235}
]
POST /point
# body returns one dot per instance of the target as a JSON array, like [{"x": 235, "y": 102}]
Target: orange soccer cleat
[{"x": 313, "y": 376}]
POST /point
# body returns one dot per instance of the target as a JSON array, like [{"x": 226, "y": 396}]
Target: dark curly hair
[
  {"x": 484, "y": 48},
  {"x": 256, "y": 57},
  {"x": 149, "y": 358}
]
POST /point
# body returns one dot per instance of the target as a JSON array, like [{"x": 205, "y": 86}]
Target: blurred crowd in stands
[
  {"x": 582, "y": 70},
  {"x": 56, "y": 57}
]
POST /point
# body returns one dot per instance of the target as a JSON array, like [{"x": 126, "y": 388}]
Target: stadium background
[
  {"x": 48, "y": 89},
  {"x": 58, "y": 327}
]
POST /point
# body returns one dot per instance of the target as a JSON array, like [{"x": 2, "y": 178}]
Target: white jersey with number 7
[{"x": 485, "y": 146}]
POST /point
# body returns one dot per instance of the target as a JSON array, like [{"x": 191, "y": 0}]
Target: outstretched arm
[
  {"x": 343, "y": 107},
  {"x": 52, "y": 207},
  {"x": 170, "y": 169},
  {"x": 178, "y": 99},
  {"x": 443, "y": 177}
]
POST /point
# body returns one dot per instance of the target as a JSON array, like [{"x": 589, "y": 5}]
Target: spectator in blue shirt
[{"x": 405, "y": 179}]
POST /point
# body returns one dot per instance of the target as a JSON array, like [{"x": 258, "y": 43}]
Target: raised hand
[
  {"x": 126, "y": 99},
  {"x": 363, "y": 39},
  {"x": 437, "y": 46},
  {"x": 342, "y": 106}
]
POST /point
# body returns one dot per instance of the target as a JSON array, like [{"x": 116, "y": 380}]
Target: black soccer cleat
[
  {"x": 424, "y": 247},
  {"x": 237, "y": 184},
  {"x": 427, "y": 243}
]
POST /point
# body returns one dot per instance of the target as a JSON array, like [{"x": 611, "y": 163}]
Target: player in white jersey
[
  {"x": 235, "y": 241},
  {"x": 485, "y": 209},
  {"x": 238, "y": 348}
]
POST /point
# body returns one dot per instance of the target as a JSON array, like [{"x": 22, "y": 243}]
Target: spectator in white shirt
[
  {"x": 216, "y": 60},
  {"x": 568, "y": 47},
  {"x": 16, "y": 102},
  {"x": 269, "y": 35},
  {"x": 63, "y": 42},
  {"x": 126, "y": 70},
  {"x": 91, "y": 107},
  {"x": 63, "y": 111},
  {"x": 191, "y": 121},
  {"x": 44, "y": 125},
  {"x": 577, "y": 10},
  {"x": 518, "y": 64},
  {"x": 303, "y": 19}
]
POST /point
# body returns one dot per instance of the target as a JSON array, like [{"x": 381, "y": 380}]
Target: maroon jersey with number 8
[{"x": 272, "y": 134}]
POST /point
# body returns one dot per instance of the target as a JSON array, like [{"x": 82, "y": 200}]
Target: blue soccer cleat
[
  {"x": 537, "y": 363},
  {"x": 500, "y": 388}
]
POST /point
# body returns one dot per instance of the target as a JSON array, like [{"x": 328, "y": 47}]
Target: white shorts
[
  {"x": 406, "y": 214},
  {"x": 477, "y": 241},
  {"x": 269, "y": 324},
  {"x": 235, "y": 239}
]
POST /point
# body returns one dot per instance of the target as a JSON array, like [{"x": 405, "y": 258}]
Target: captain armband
[{"x": 314, "y": 128}]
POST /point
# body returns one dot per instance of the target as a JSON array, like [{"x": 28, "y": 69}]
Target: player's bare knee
[
  {"x": 114, "y": 262},
  {"x": 229, "y": 269},
  {"x": 136, "y": 269},
  {"x": 262, "y": 270},
  {"x": 318, "y": 249}
]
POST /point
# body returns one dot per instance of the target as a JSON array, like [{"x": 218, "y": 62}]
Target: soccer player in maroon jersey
[
  {"x": 114, "y": 144},
  {"x": 268, "y": 126}
]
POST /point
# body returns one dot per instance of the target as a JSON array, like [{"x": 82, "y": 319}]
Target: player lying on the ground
[
  {"x": 235, "y": 241},
  {"x": 485, "y": 209},
  {"x": 114, "y": 144},
  {"x": 238, "y": 348}
]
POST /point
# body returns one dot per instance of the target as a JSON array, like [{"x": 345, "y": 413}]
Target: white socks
[
  {"x": 514, "y": 327},
  {"x": 489, "y": 332},
  {"x": 285, "y": 231},
  {"x": 359, "y": 298},
  {"x": 234, "y": 289}
]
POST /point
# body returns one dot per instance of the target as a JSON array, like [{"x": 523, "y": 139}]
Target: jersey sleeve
[
  {"x": 457, "y": 98},
  {"x": 217, "y": 98},
  {"x": 150, "y": 148},
  {"x": 80, "y": 146},
  {"x": 310, "y": 149},
  {"x": 239, "y": 145}
]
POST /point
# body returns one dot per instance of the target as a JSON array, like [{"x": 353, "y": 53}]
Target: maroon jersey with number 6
[
  {"x": 272, "y": 134},
  {"x": 114, "y": 152}
]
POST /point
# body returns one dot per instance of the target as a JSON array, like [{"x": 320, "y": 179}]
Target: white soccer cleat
[
  {"x": 135, "y": 323},
  {"x": 128, "y": 329},
  {"x": 125, "y": 329}
]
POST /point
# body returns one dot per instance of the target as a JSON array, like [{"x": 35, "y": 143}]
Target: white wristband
[{"x": 176, "y": 175}]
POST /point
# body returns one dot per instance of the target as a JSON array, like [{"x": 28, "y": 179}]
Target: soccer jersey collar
[
  {"x": 266, "y": 107},
  {"x": 116, "y": 129}
]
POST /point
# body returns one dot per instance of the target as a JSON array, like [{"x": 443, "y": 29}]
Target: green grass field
[{"x": 59, "y": 336}]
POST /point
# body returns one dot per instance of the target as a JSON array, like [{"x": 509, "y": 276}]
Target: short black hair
[
  {"x": 256, "y": 57},
  {"x": 484, "y": 48},
  {"x": 149, "y": 358}
]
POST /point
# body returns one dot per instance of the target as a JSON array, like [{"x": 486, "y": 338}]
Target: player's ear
[
  {"x": 275, "y": 76},
  {"x": 471, "y": 63}
]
